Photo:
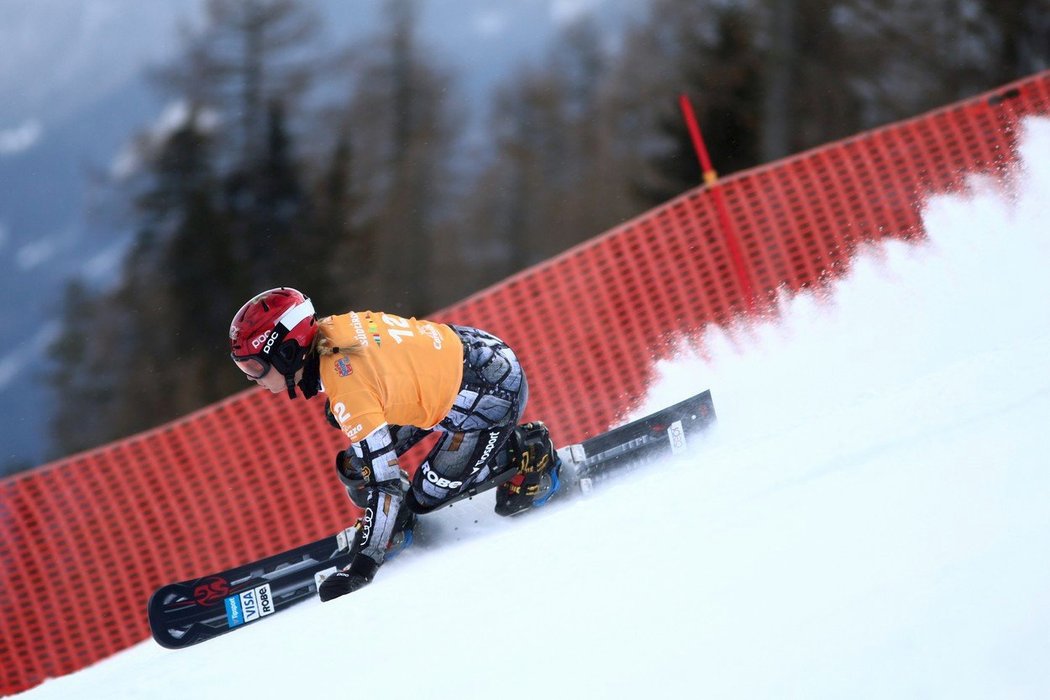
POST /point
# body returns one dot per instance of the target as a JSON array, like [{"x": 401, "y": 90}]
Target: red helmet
[{"x": 273, "y": 329}]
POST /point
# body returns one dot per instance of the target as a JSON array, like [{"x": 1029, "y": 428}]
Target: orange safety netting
[{"x": 86, "y": 540}]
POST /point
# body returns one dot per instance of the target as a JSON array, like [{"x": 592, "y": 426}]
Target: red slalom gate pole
[{"x": 724, "y": 219}]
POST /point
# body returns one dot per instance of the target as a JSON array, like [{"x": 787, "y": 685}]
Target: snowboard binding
[{"x": 537, "y": 465}]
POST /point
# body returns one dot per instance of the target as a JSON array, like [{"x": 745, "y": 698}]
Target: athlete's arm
[{"x": 384, "y": 498}]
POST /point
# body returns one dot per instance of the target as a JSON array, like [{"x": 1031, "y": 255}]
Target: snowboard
[{"x": 189, "y": 612}]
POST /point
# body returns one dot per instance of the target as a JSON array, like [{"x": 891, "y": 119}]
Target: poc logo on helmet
[
  {"x": 256, "y": 343},
  {"x": 269, "y": 343}
]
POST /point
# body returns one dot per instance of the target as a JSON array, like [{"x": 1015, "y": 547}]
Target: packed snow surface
[{"x": 869, "y": 519}]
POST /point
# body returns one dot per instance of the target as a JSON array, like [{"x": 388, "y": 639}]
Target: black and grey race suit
[{"x": 469, "y": 451}]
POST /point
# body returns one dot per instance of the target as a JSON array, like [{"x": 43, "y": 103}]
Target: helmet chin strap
[{"x": 310, "y": 384}]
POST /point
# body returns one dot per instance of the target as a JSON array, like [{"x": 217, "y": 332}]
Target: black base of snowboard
[
  {"x": 185, "y": 613},
  {"x": 189, "y": 612}
]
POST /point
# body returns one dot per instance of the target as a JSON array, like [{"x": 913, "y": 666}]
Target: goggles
[{"x": 255, "y": 366}]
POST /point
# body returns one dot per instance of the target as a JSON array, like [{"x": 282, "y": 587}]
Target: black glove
[
  {"x": 358, "y": 575},
  {"x": 340, "y": 583}
]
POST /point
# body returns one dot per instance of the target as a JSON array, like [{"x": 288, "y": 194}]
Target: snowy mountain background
[
  {"x": 73, "y": 92},
  {"x": 867, "y": 520}
]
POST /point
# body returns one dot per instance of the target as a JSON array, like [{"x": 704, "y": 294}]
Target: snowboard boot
[
  {"x": 532, "y": 455},
  {"x": 404, "y": 526}
]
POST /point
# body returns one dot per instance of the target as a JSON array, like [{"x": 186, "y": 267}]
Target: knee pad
[{"x": 355, "y": 475}]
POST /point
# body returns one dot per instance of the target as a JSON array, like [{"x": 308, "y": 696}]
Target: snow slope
[{"x": 869, "y": 519}]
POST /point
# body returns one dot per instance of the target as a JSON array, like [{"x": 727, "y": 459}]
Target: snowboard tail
[
  {"x": 188, "y": 612},
  {"x": 665, "y": 432}
]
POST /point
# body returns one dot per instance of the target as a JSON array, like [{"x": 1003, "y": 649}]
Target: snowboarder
[{"x": 390, "y": 382}]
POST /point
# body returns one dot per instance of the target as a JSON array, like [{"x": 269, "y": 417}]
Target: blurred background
[{"x": 162, "y": 161}]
